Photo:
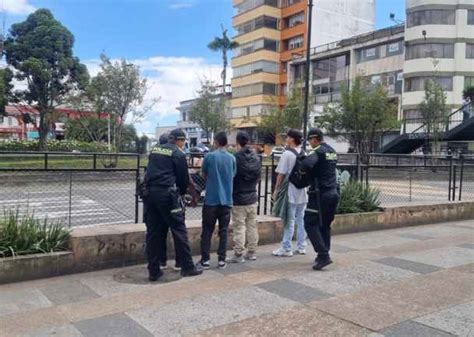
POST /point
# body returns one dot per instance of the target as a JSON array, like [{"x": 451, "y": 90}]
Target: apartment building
[
  {"x": 270, "y": 34},
  {"x": 193, "y": 131},
  {"x": 436, "y": 42}
]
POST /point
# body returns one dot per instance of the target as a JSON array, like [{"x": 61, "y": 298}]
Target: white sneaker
[
  {"x": 236, "y": 259},
  {"x": 251, "y": 256},
  {"x": 300, "y": 251},
  {"x": 282, "y": 252}
]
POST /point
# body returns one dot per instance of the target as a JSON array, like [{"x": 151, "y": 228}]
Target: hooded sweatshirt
[{"x": 247, "y": 177}]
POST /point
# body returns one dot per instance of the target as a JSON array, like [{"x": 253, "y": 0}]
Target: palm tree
[{"x": 223, "y": 44}]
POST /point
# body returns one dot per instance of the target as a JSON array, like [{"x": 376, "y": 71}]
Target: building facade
[
  {"x": 436, "y": 42},
  {"x": 270, "y": 34},
  {"x": 194, "y": 132}
]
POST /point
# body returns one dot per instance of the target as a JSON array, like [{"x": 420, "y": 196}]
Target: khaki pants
[{"x": 244, "y": 225}]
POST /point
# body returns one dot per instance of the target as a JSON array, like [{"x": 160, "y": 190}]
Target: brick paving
[{"x": 416, "y": 281}]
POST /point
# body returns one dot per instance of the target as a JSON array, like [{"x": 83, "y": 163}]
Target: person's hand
[{"x": 275, "y": 195}]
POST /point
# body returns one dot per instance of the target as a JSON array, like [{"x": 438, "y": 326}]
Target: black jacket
[
  {"x": 321, "y": 164},
  {"x": 167, "y": 166},
  {"x": 247, "y": 177}
]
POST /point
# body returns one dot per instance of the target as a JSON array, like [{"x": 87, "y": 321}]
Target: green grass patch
[{"x": 25, "y": 234}]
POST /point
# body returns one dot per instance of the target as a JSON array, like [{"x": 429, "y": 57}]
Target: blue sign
[{"x": 32, "y": 135}]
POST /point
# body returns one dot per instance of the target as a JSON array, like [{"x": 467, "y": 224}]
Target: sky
[{"x": 167, "y": 38}]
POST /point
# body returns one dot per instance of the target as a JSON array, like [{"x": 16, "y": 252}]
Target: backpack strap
[{"x": 292, "y": 150}]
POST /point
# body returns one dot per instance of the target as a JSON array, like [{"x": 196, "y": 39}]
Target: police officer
[
  {"x": 323, "y": 196},
  {"x": 167, "y": 180}
]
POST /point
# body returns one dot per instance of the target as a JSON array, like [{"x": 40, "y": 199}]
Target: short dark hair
[
  {"x": 243, "y": 138},
  {"x": 221, "y": 138},
  {"x": 163, "y": 139},
  {"x": 296, "y": 135}
]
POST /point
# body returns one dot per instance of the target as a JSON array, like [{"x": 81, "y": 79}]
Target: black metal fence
[
  {"x": 77, "y": 188},
  {"x": 95, "y": 188}
]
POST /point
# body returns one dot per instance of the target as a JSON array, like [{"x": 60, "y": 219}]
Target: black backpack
[{"x": 298, "y": 176}]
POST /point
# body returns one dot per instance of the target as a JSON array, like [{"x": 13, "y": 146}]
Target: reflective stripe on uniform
[
  {"x": 176, "y": 210},
  {"x": 312, "y": 210},
  {"x": 162, "y": 151}
]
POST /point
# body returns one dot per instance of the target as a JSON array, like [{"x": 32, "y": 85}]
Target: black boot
[
  {"x": 153, "y": 277},
  {"x": 322, "y": 262},
  {"x": 191, "y": 272}
]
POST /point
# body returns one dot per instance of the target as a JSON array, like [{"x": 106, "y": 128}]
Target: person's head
[
  {"x": 315, "y": 137},
  {"x": 294, "y": 137},
  {"x": 220, "y": 140},
  {"x": 163, "y": 139},
  {"x": 243, "y": 138},
  {"x": 178, "y": 137}
]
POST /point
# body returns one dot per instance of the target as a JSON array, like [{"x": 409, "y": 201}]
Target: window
[
  {"x": 419, "y": 83},
  {"x": 250, "y": 4},
  {"x": 253, "y": 46},
  {"x": 469, "y": 51},
  {"x": 10, "y": 121},
  {"x": 250, "y": 111},
  {"x": 468, "y": 82},
  {"x": 296, "y": 42},
  {"x": 334, "y": 68},
  {"x": 256, "y": 67},
  {"x": 394, "y": 48},
  {"x": 294, "y": 20},
  {"x": 470, "y": 17},
  {"x": 426, "y": 50},
  {"x": 431, "y": 17},
  {"x": 368, "y": 54},
  {"x": 286, "y": 3},
  {"x": 255, "y": 89},
  {"x": 299, "y": 72},
  {"x": 411, "y": 114},
  {"x": 260, "y": 22}
]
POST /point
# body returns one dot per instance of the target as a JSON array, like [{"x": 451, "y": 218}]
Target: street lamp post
[{"x": 306, "y": 84}]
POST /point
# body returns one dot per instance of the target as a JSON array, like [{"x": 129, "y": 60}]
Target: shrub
[
  {"x": 357, "y": 197},
  {"x": 53, "y": 146},
  {"x": 25, "y": 234}
]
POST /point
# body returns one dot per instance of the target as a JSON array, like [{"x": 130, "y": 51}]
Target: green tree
[
  {"x": 40, "y": 51},
  {"x": 468, "y": 93},
  {"x": 434, "y": 113},
  {"x": 120, "y": 89},
  {"x": 208, "y": 109},
  {"x": 280, "y": 119},
  {"x": 364, "y": 114},
  {"x": 224, "y": 45},
  {"x": 6, "y": 87},
  {"x": 87, "y": 129}
]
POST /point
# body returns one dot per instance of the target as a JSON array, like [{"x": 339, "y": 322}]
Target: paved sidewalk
[{"x": 416, "y": 281}]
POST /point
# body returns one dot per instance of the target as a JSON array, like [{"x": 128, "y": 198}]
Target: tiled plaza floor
[{"x": 416, "y": 281}]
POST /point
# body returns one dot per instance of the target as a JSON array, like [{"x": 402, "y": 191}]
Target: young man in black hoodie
[{"x": 244, "y": 212}]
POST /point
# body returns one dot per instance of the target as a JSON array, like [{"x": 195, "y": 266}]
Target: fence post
[
  {"x": 454, "y": 182},
  {"x": 45, "y": 160},
  {"x": 95, "y": 161},
  {"x": 137, "y": 187},
  {"x": 461, "y": 176},
  {"x": 410, "y": 177},
  {"x": 266, "y": 191},
  {"x": 259, "y": 191},
  {"x": 358, "y": 170},
  {"x": 70, "y": 198},
  {"x": 450, "y": 158}
]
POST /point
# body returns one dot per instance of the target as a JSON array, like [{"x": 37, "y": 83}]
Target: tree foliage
[
  {"x": 224, "y": 45},
  {"x": 469, "y": 93},
  {"x": 87, "y": 129},
  {"x": 6, "y": 88},
  {"x": 364, "y": 114},
  {"x": 208, "y": 109},
  {"x": 434, "y": 112},
  {"x": 119, "y": 89},
  {"x": 278, "y": 120},
  {"x": 40, "y": 51}
]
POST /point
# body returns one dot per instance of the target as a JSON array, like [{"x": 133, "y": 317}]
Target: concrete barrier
[{"x": 100, "y": 247}]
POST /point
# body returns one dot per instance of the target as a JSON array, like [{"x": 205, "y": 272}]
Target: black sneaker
[
  {"x": 204, "y": 264},
  {"x": 191, "y": 272},
  {"x": 320, "y": 264},
  {"x": 155, "y": 277}
]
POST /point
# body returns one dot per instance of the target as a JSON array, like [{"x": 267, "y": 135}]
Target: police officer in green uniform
[
  {"x": 323, "y": 196},
  {"x": 167, "y": 180}
]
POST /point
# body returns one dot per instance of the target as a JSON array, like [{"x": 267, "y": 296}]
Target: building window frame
[
  {"x": 431, "y": 17},
  {"x": 295, "y": 42},
  {"x": 470, "y": 50},
  {"x": 470, "y": 17},
  {"x": 419, "y": 51},
  {"x": 418, "y": 83}
]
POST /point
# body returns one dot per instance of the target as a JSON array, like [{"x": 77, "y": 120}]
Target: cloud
[
  {"x": 182, "y": 4},
  {"x": 17, "y": 7},
  {"x": 172, "y": 79}
]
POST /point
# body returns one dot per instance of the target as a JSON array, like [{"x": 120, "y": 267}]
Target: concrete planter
[{"x": 101, "y": 247}]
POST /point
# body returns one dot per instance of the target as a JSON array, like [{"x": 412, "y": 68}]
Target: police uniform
[
  {"x": 323, "y": 198},
  {"x": 166, "y": 180}
]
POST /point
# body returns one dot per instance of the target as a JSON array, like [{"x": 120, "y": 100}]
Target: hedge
[{"x": 53, "y": 146}]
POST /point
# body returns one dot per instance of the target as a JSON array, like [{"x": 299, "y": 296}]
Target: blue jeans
[{"x": 296, "y": 216}]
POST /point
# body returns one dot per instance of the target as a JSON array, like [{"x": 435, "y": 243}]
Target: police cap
[
  {"x": 315, "y": 133},
  {"x": 177, "y": 134}
]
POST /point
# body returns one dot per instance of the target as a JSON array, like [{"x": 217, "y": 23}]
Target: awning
[{"x": 246, "y": 125}]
